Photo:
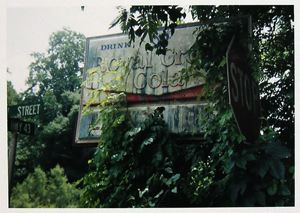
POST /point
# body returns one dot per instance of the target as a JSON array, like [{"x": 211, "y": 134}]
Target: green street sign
[
  {"x": 22, "y": 127},
  {"x": 21, "y": 111}
]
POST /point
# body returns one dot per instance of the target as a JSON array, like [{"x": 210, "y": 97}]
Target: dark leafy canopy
[
  {"x": 273, "y": 40},
  {"x": 134, "y": 168},
  {"x": 145, "y": 20},
  {"x": 223, "y": 170},
  {"x": 273, "y": 53}
]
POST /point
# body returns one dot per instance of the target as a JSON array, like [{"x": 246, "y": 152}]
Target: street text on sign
[
  {"x": 22, "y": 127},
  {"x": 24, "y": 110}
]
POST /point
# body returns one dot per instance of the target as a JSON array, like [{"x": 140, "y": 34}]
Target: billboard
[{"x": 113, "y": 65}]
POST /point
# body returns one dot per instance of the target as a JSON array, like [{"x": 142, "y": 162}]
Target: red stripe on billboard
[{"x": 186, "y": 94}]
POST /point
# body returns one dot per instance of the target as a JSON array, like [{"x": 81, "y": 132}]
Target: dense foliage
[
  {"x": 12, "y": 95},
  {"x": 45, "y": 190},
  {"x": 54, "y": 81},
  {"x": 225, "y": 169},
  {"x": 143, "y": 165},
  {"x": 133, "y": 168}
]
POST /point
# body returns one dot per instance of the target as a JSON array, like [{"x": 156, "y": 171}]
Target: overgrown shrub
[
  {"x": 133, "y": 166},
  {"x": 44, "y": 190}
]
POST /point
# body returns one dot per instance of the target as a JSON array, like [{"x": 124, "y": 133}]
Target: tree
[
  {"x": 58, "y": 70},
  {"x": 13, "y": 98},
  {"x": 45, "y": 190},
  {"x": 54, "y": 81},
  {"x": 225, "y": 170},
  {"x": 272, "y": 32},
  {"x": 12, "y": 95}
]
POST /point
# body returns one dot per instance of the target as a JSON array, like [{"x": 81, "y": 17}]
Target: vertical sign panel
[{"x": 243, "y": 92}]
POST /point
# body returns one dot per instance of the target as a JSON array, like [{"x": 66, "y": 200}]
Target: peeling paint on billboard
[{"x": 112, "y": 64}]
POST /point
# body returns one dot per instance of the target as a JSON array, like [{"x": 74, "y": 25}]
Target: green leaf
[
  {"x": 174, "y": 190},
  {"x": 229, "y": 164},
  {"x": 148, "y": 141},
  {"x": 223, "y": 62},
  {"x": 159, "y": 194},
  {"x": 272, "y": 189},
  {"x": 141, "y": 193},
  {"x": 278, "y": 151},
  {"x": 139, "y": 31},
  {"x": 172, "y": 27},
  {"x": 158, "y": 156},
  {"x": 241, "y": 163},
  {"x": 148, "y": 47},
  {"x": 284, "y": 190},
  {"x": 277, "y": 168},
  {"x": 169, "y": 170},
  {"x": 134, "y": 131},
  {"x": 162, "y": 15},
  {"x": 131, "y": 198},
  {"x": 151, "y": 204},
  {"x": 263, "y": 168},
  {"x": 173, "y": 179},
  {"x": 230, "y": 152}
]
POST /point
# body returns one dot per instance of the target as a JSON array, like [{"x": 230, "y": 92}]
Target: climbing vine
[{"x": 143, "y": 165}]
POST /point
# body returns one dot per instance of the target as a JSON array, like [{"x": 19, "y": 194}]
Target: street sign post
[
  {"x": 17, "y": 126},
  {"x": 27, "y": 110},
  {"x": 243, "y": 91},
  {"x": 11, "y": 158}
]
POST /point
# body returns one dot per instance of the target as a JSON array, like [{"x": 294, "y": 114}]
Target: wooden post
[{"x": 11, "y": 160}]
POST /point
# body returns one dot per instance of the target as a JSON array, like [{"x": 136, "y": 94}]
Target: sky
[{"x": 29, "y": 28}]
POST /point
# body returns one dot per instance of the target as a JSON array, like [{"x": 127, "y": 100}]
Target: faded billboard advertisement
[{"x": 113, "y": 64}]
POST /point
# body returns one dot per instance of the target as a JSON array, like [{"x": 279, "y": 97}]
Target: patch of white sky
[{"x": 29, "y": 28}]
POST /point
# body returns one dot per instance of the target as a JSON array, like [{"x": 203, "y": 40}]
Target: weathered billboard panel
[{"x": 112, "y": 64}]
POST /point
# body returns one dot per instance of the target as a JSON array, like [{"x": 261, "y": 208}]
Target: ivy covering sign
[{"x": 114, "y": 65}]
